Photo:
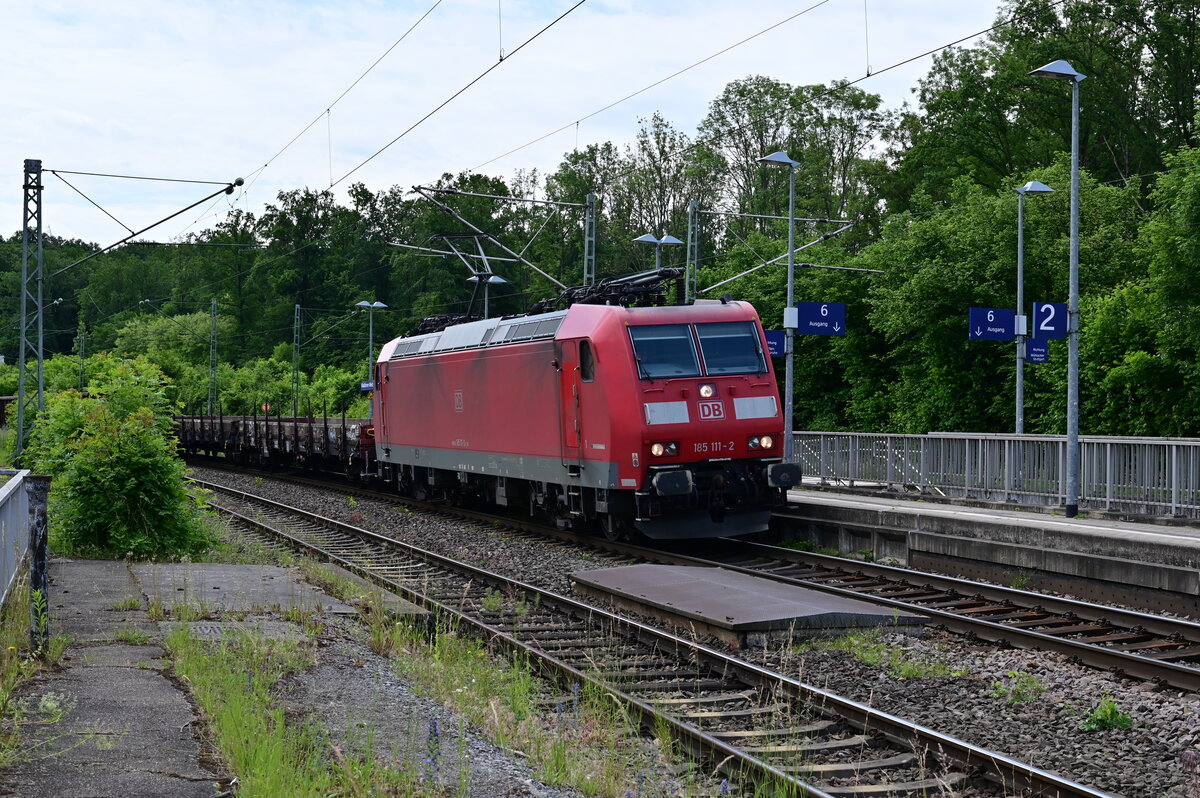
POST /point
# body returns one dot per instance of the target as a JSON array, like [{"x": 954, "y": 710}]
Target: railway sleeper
[
  {"x": 698, "y": 685},
  {"x": 834, "y": 770},
  {"x": 767, "y": 709},
  {"x": 649, "y": 673},
  {"x": 1169, "y": 656},
  {"x": 816, "y": 727},
  {"x": 744, "y": 695},
  {"x": 821, "y": 746},
  {"x": 922, "y": 787}
]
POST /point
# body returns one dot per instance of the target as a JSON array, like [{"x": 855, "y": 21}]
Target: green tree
[{"x": 119, "y": 487}]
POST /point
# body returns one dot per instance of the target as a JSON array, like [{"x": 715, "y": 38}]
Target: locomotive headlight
[
  {"x": 708, "y": 390},
  {"x": 664, "y": 449},
  {"x": 762, "y": 442}
]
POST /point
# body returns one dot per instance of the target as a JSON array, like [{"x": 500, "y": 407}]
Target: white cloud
[{"x": 211, "y": 90}]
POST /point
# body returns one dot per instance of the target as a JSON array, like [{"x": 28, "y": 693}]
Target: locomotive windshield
[
  {"x": 731, "y": 347},
  {"x": 665, "y": 350},
  {"x": 669, "y": 350}
]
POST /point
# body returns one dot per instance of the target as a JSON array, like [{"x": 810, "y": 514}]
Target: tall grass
[
  {"x": 232, "y": 682},
  {"x": 17, "y": 664}
]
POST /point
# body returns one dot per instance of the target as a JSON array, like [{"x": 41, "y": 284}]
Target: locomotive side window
[
  {"x": 731, "y": 347},
  {"x": 665, "y": 350},
  {"x": 587, "y": 363}
]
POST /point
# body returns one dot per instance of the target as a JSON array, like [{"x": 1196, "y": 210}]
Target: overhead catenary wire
[
  {"x": 255, "y": 174},
  {"x": 137, "y": 177},
  {"x": 869, "y": 74},
  {"x": 227, "y": 190},
  {"x": 645, "y": 89},
  {"x": 454, "y": 96},
  {"x": 89, "y": 199}
]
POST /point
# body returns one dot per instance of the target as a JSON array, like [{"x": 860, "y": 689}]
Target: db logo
[{"x": 712, "y": 410}]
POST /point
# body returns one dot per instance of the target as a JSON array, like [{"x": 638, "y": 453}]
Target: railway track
[
  {"x": 754, "y": 723},
  {"x": 1152, "y": 647},
  {"x": 1162, "y": 650}
]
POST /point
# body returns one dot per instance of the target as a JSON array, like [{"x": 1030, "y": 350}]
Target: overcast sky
[{"x": 205, "y": 90}]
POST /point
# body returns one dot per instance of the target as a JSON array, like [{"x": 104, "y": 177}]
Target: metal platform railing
[
  {"x": 14, "y": 528},
  {"x": 1139, "y": 476}
]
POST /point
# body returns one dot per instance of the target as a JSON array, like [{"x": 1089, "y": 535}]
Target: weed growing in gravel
[
  {"x": 241, "y": 549},
  {"x": 126, "y": 604},
  {"x": 1106, "y": 716},
  {"x": 1019, "y": 581},
  {"x": 492, "y": 600},
  {"x": 808, "y": 545},
  {"x": 308, "y": 618},
  {"x": 339, "y": 586},
  {"x": 157, "y": 610},
  {"x": 585, "y": 746},
  {"x": 1019, "y": 688},
  {"x": 127, "y": 634},
  {"x": 187, "y": 611},
  {"x": 869, "y": 647},
  {"x": 232, "y": 683}
]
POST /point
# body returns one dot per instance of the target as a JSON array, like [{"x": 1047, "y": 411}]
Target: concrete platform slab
[
  {"x": 109, "y": 730},
  {"x": 118, "y": 655},
  {"x": 215, "y": 630},
  {"x": 742, "y": 610},
  {"x": 218, "y": 588}
]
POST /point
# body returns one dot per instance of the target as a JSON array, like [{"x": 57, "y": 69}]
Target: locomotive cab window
[
  {"x": 665, "y": 350},
  {"x": 587, "y": 363},
  {"x": 731, "y": 347}
]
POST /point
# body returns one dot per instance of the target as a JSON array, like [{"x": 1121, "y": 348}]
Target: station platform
[
  {"x": 1141, "y": 563},
  {"x": 121, "y": 725},
  {"x": 741, "y": 610}
]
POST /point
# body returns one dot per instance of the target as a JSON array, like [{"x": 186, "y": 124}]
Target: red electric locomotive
[{"x": 666, "y": 418}]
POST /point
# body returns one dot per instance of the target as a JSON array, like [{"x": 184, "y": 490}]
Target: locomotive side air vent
[{"x": 530, "y": 330}]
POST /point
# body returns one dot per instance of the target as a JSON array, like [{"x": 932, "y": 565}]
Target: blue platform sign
[
  {"x": 821, "y": 318},
  {"x": 1036, "y": 351},
  {"x": 1049, "y": 320},
  {"x": 991, "y": 324},
  {"x": 368, "y": 385},
  {"x": 775, "y": 342}
]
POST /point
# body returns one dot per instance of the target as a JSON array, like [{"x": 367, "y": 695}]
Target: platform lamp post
[
  {"x": 658, "y": 245},
  {"x": 370, "y": 307},
  {"x": 1061, "y": 70},
  {"x": 790, "y": 315},
  {"x": 486, "y": 279},
  {"x": 1032, "y": 187}
]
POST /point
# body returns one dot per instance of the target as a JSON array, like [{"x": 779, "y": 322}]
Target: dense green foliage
[
  {"x": 930, "y": 189},
  {"x": 118, "y": 486}
]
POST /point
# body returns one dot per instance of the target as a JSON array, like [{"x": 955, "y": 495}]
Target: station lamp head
[
  {"x": 780, "y": 158},
  {"x": 1058, "y": 70},
  {"x": 1034, "y": 187}
]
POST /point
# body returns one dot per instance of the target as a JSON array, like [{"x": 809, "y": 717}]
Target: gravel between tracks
[{"x": 1142, "y": 761}]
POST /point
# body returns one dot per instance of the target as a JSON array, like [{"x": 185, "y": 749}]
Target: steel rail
[
  {"x": 1170, "y": 673},
  {"x": 1165, "y": 673},
  {"x": 1010, "y": 773}
]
